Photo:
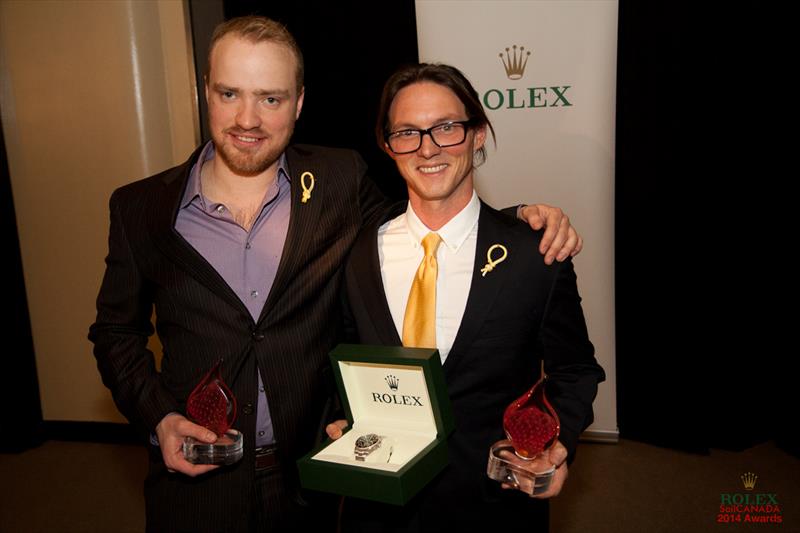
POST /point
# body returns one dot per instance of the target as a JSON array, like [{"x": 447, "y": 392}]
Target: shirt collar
[
  {"x": 454, "y": 233},
  {"x": 194, "y": 188}
]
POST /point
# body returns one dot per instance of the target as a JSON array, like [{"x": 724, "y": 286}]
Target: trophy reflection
[
  {"x": 213, "y": 406},
  {"x": 531, "y": 426}
]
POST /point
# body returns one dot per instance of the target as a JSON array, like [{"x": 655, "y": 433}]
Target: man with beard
[{"x": 238, "y": 252}]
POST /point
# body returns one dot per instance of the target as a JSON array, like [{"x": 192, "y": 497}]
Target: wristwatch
[{"x": 372, "y": 448}]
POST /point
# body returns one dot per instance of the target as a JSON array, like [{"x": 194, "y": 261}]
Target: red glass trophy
[
  {"x": 531, "y": 426},
  {"x": 213, "y": 406}
]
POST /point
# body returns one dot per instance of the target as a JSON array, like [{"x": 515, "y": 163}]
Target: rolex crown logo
[
  {"x": 749, "y": 480},
  {"x": 392, "y": 381},
  {"x": 515, "y": 61}
]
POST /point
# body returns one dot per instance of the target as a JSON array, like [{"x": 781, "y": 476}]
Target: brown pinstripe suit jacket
[{"x": 200, "y": 319}]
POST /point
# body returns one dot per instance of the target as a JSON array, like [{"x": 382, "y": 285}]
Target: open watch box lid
[{"x": 399, "y": 416}]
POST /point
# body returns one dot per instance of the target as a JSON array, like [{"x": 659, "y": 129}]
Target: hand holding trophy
[
  {"x": 213, "y": 406},
  {"x": 531, "y": 426}
]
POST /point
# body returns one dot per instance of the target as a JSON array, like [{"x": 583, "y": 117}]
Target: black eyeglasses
[{"x": 443, "y": 135}]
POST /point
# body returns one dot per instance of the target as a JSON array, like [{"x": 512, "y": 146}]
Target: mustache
[{"x": 255, "y": 132}]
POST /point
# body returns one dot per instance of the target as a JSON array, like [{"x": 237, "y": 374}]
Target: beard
[{"x": 251, "y": 163}]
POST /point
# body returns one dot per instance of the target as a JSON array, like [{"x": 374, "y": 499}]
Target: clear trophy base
[
  {"x": 503, "y": 471},
  {"x": 228, "y": 449}
]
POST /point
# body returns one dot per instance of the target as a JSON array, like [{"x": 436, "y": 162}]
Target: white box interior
[{"x": 391, "y": 401}]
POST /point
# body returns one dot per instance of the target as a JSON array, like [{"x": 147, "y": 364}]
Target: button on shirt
[
  {"x": 247, "y": 261},
  {"x": 400, "y": 253}
]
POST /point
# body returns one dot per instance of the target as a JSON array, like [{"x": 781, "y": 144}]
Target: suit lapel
[
  {"x": 483, "y": 289},
  {"x": 302, "y": 219},
  {"x": 174, "y": 246},
  {"x": 368, "y": 272}
]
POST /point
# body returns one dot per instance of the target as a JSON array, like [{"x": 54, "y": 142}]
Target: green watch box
[{"x": 399, "y": 416}]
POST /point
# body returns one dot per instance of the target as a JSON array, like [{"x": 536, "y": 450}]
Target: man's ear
[
  {"x": 389, "y": 151},
  {"x": 480, "y": 138},
  {"x": 300, "y": 99}
]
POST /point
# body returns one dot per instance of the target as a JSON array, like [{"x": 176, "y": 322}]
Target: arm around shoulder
[
  {"x": 371, "y": 201},
  {"x": 560, "y": 240}
]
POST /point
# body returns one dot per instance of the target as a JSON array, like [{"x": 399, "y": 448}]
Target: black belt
[{"x": 266, "y": 457}]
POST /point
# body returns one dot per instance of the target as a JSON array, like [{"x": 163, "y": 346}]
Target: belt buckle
[{"x": 266, "y": 457}]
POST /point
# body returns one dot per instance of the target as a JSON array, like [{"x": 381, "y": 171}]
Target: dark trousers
[{"x": 277, "y": 509}]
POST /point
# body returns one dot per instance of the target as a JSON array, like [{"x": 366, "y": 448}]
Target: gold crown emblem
[
  {"x": 749, "y": 480},
  {"x": 515, "y": 61}
]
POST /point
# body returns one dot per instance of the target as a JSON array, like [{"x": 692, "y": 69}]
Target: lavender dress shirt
[{"x": 247, "y": 261}]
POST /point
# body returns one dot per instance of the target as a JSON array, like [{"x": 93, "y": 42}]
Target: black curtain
[
  {"x": 698, "y": 361},
  {"x": 21, "y": 421}
]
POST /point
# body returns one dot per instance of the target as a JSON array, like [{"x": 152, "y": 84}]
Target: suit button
[
  {"x": 248, "y": 409},
  {"x": 258, "y": 336}
]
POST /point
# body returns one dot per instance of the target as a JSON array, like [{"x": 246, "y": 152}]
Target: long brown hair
[{"x": 441, "y": 74}]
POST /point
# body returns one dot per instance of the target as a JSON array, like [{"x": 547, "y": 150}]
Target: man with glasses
[
  {"x": 238, "y": 254},
  {"x": 446, "y": 271},
  {"x": 450, "y": 133}
]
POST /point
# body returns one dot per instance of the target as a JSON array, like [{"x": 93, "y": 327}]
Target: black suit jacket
[
  {"x": 519, "y": 313},
  {"x": 152, "y": 269}
]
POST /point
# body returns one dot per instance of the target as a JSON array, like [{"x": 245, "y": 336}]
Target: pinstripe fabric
[{"x": 199, "y": 319}]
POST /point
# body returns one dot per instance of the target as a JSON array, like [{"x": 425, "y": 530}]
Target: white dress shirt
[{"x": 400, "y": 252}]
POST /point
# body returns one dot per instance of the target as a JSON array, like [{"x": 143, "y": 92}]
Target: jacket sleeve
[
  {"x": 371, "y": 201},
  {"x": 572, "y": 370},
  {"x": 121, "y": 331}
]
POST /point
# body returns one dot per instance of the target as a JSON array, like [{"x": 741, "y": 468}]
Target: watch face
[{"x": 365, "y": 441}]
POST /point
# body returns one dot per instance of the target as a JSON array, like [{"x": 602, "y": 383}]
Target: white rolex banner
[{"x": 546, "y": 73}]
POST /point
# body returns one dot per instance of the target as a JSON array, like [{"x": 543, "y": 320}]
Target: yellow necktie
[{"x": 419, "y": 323}]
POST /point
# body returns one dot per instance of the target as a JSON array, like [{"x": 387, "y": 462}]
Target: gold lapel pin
[
  {"x": 494, "y": 262},
  {"x": 306, "y": 189}
]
